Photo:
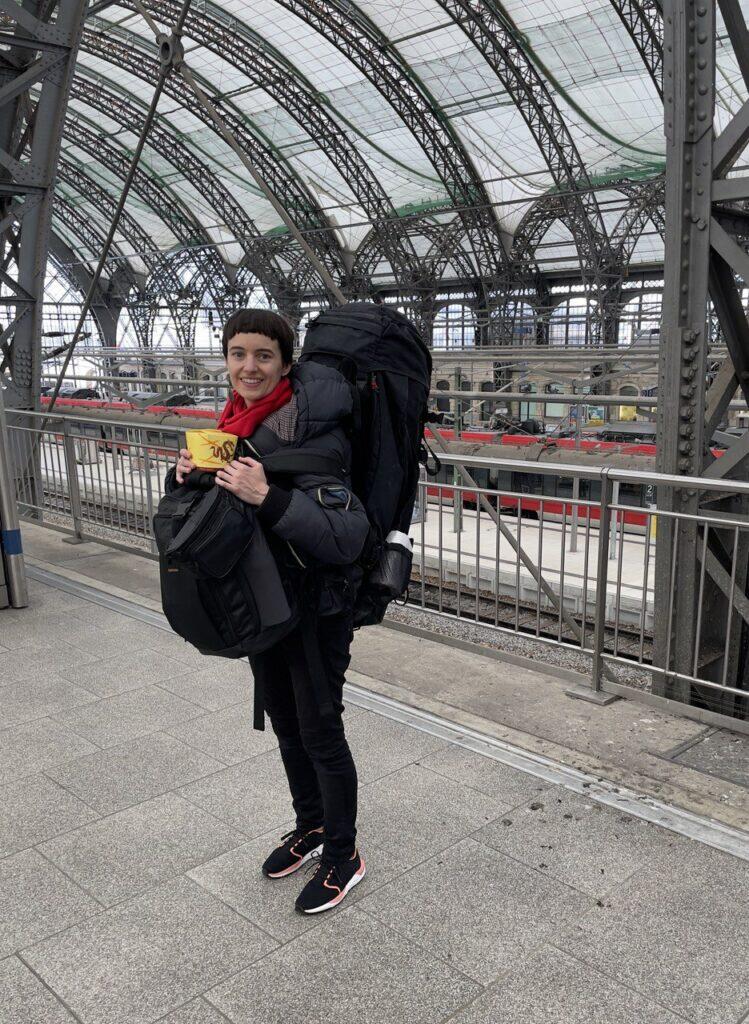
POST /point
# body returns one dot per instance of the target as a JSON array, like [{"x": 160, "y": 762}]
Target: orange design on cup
[{"x": 210, "y": 449}]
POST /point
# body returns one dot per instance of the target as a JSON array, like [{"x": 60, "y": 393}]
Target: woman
[{"x": 324, "y": 526}]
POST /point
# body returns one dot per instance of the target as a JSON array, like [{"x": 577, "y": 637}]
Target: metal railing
[{"x": 564, "y": 555}]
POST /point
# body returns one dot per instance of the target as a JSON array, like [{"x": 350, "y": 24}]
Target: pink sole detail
[{"x": 354, "y": 880}]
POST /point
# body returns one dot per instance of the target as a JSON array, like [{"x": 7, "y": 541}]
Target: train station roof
[{"x": 405, "y": 132}]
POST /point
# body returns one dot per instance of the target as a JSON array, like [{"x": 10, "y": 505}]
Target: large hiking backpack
[{"x": 389, "y": 368}]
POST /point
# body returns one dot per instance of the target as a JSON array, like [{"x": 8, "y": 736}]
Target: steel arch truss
[
  {"x": 269, "y": 70},
  {"x": 129, "y": 113},
  {"x": 128, "y": 52},
  {"x": 347, "y": 28},
  {"x": 496, "y": 37},
  {"x": 643, "y": 20}
]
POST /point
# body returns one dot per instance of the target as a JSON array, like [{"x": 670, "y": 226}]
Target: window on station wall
[
  {"x": 454, "y": 327},
  {"x": 573, "y": 323},
  {"x": 640, "y": 319}
]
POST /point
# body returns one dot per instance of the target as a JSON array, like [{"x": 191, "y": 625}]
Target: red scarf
[{"x": 243, "y": 420}]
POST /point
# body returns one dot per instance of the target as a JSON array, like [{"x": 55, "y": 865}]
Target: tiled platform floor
[{"x": 136, "y": 805}]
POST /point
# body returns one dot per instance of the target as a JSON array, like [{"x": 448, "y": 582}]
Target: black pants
[{"x": 315, "y": 752}]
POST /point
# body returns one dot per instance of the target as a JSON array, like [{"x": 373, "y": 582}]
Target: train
[{"x": 531, "y": 495}]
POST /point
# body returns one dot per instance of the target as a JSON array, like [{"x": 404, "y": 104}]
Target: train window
[
  {"x": 502, "y": 481},
  {"x": 631, "y": 494},
  {"x": 564, "y": 486},
  {"x": 549, "y": 486},
  {"x": 594, "y": 490},
  {"x": 481, "y": 476},
  {"x": 527, "y": 483}
]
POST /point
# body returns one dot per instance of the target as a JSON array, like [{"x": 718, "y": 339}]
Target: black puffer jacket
[{"x": 319, "y": 517}]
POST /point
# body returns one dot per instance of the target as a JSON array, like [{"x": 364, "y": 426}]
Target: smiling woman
[{"x": 317, "y": 527}]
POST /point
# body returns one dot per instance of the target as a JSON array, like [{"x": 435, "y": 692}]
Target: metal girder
[
  {"x": 30, "y": 129},
  {"x": 701, "y": 255},
  {"x": 79, "y": 225},
  {"x": 104, "y": 310},
  {"x": 162, "y": 279},
  {"x": 161, "y": 199},
  {"x": 129, "y": 53},
  {"x": 646, "y": 204},
  {"x": 344, "y": 25},
  {"x": 643, "y": 20},
  {"x": 267, "y": 69},
  {"x": 494, "y": 34},
  {"x": 166, "y": 142}
]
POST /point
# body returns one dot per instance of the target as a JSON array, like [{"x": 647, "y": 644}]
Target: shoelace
[{"x": 317, "y": 862}]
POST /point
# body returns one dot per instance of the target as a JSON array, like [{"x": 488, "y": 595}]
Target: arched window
[
  {"x": 454, "y": 327},
  {"x": 640, "y": 319},
  {"x": 572, "y": 323}
]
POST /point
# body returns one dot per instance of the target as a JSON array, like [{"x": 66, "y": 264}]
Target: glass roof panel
[{"x": 579, "y": 48}]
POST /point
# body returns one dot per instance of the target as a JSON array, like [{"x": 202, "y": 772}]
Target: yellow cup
[{"x": 210, "y": 449}]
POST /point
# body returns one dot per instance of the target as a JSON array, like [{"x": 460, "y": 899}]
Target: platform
[{"x": 519, "y": 869}]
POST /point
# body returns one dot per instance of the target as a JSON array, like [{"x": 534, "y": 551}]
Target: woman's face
[{"x": 255, "y": 365}]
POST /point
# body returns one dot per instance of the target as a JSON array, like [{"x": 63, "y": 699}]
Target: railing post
[
  {"x": 604, "y": 536},
  {"x": 74, "y": 493}
]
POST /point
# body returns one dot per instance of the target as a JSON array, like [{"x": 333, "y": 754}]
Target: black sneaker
[
  {"x": 329, "y": 884},
  {"x": 295, "y": 849}
]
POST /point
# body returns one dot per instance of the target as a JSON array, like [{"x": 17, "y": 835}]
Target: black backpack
[
  {"x": 389, "y": 367},
  {"x": 222, "y": 589}
]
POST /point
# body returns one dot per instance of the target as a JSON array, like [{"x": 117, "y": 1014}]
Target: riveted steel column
[{"x": 689, "y": 98}]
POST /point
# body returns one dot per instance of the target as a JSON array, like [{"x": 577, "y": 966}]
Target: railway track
[{"x": 523, "y": 617}]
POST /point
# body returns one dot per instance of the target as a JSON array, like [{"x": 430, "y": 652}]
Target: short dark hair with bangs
[{"x": 261, "y": 321}]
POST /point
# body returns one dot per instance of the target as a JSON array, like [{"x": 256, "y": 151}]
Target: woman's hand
[
  {"x": 246, "y": 478},
  {"x": 185, "y": 465}
]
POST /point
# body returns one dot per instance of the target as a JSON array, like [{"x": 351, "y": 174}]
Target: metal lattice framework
[{"x": 127, "y": 52}]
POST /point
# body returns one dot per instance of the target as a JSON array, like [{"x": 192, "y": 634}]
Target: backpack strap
[{"x": 293, "y": 461}]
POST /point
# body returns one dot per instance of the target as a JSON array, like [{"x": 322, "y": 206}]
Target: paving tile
[
  {"x": 349, "y": 969},
  {"x": 549, "y": 987},
  {"x": 475, "y": 908},
  {"x": 414, "y": 813},
  {"x": 127, "y": 637},
  {"x": 509, "y": 785},
  {"x": 227, "y": 735},
  {"x": 31, "y": 627},
  {"x": 43, "y": 659},
  {"x": 142, "y": 959},
  {"x": 110, "y": 780},
  {"x": 222, "y": 683},
  {"x": 24, "y": 1000},
  {"x": 381, "y": 746},
  {"x": 39, "y": 697},
  {"x": 236, "y": 879},
  {"x": 173, "y": 646},
  {"x": 124, "y": 854},
  {"x": 198, "y": 1011},
  {"x": 578, "y": 841},
  {"x": 37, "y": 900},
  {"x": 35, "y": 809},
  {"x": 672, "y": 932},
  {"x": 252, "y": 796},
  {"x": 117, "y": 719},
  {"x": 127, "y": 672},
  {"x": 34, "y": 746}
]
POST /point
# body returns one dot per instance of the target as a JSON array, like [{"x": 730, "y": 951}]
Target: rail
[{"x": 567, "y": 556}]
